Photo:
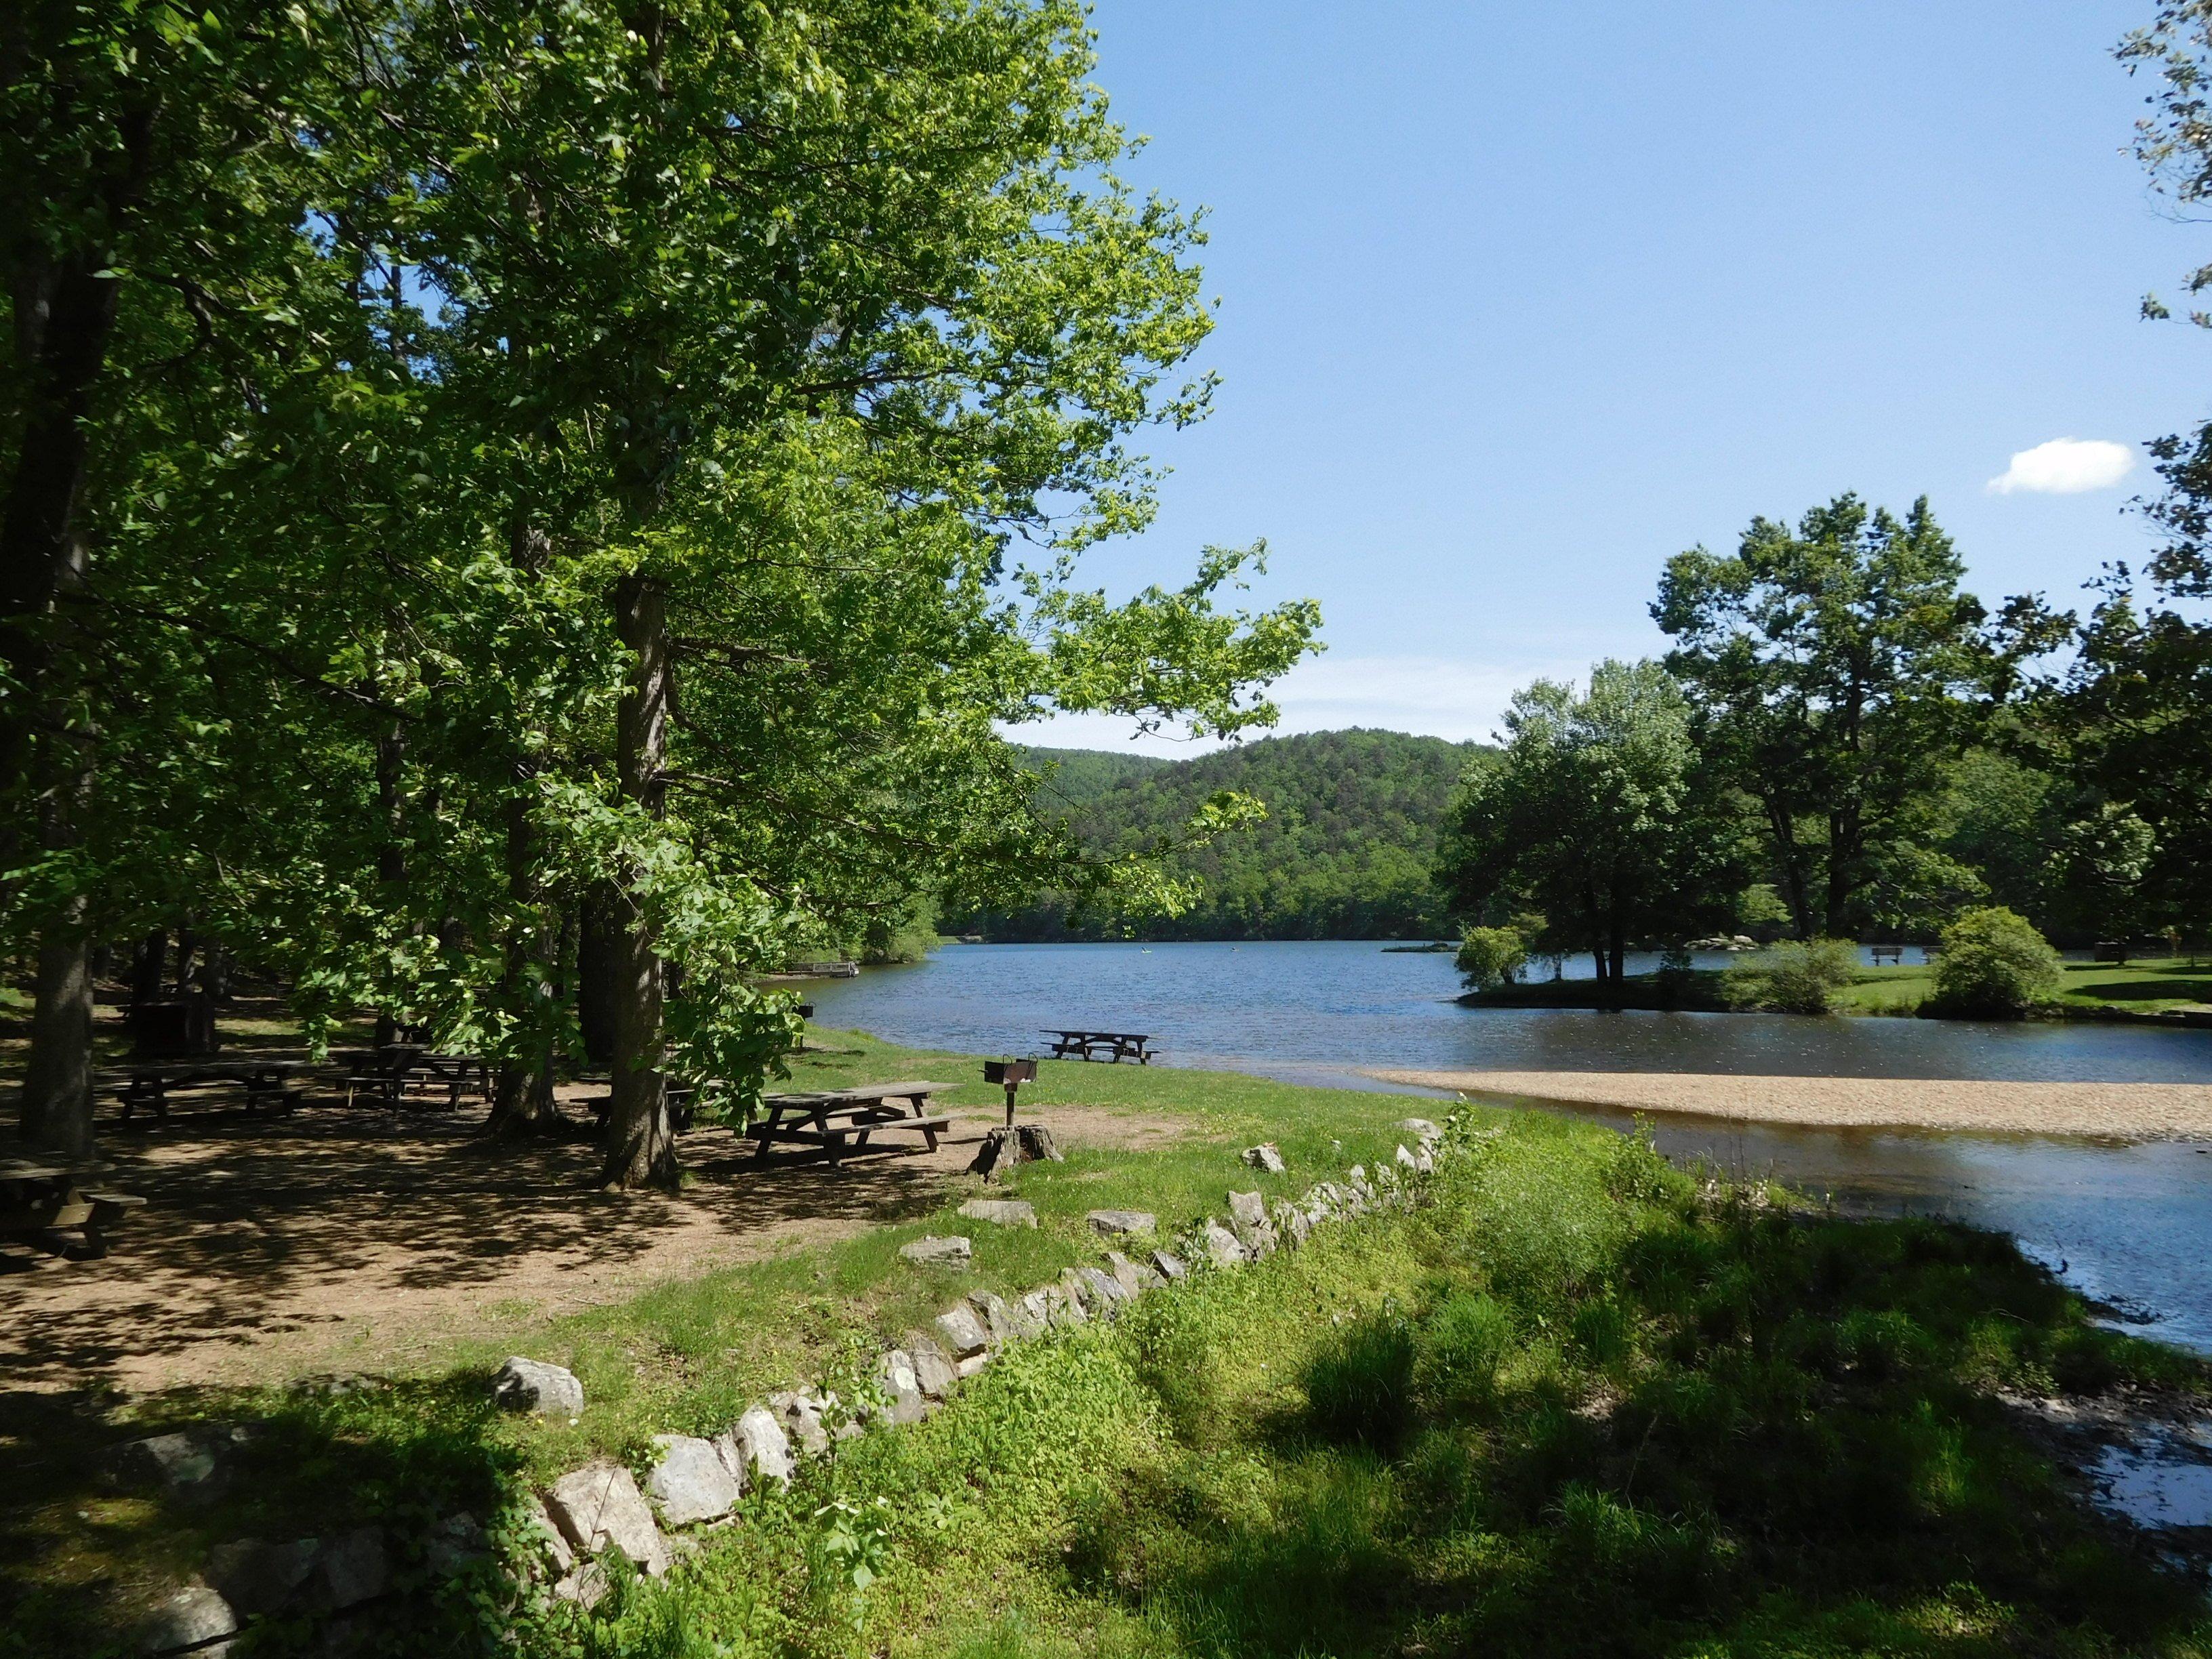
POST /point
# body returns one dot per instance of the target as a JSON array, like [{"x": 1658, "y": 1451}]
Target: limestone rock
[
  {"x": 255, "y": 1575},
  {"x": 354, "y": 1568},
  {"x": 1425, "y": 1161},
  {"x": 1292, "y": 1225},
  {"x": 902, "y": 1385},
  {"x": 1132, "y": 1279},
  {"x": 1404, "y": 1158},
  {"x": 1265, "y": 1158},
  {"x": 1107, "y": 1294},
  {"x": 763, "y": 1445},
  {"x": 801, "y": 1413},
  {"x": 196, "y": 1617},
  {"x": 1248, "y": 1217},
  {"x": 1121, "y": 1223},
  {"x": 1082, "y": 1295},
  {"x": 1420, "y": 1128},
  {"x": 932, "y": 1367},
  {"x": 972, "y": 1363},
  {"x": 1062, "y": 1306},
  {"x": 556, "y": 1542},
  {"x": 1038, "y": 1304},
  {"x": 963, "y": 1333},
  {"x": 690, "y": 1482},
  {"x": 587, "y": 1586},
  {"x": 453, "y": 1544},
  {"x": 1169, "y": 1266},
  {"x": 187, "y": 1465},
  {"x": 953, "y": 1252},
  {"x": 531, "y": 1385},
  {"x": 1003, "y": 1149},
  {"x": 1009, "y": 1321},
  {"x": 1222, "y": 1248},
  {"x": 599, "y": 1505},
  {"x": 1000, "y": 1211}
]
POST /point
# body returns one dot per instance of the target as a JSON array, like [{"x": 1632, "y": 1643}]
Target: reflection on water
[
  {"x": 2162, "y": 1481},
  {"x": 2125, "y": 1223}
]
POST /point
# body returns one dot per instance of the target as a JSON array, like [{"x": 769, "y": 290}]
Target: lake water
[{"x": 2127, "y": 1224}]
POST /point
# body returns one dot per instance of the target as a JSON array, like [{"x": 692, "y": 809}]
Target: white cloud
[
  {"x": 1437, "y": 696},
  {"x": 2066, "y": 466}
]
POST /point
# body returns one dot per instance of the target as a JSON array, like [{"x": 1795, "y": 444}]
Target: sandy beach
[{"x": 2135, "y": 1111}]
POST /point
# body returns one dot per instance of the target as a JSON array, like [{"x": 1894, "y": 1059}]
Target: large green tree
[
  {"x": 1837, "y": 670},
  {"x": 1594, "y": 815}
]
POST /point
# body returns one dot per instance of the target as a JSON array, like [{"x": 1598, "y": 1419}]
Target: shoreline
[{"x": 2130, "y": 1111}]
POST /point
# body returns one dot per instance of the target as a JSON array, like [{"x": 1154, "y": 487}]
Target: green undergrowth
[{"x": 1574, "y": 1403}]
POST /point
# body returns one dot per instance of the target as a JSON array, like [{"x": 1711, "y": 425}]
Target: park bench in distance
[
  {"x": 839, "y": 1121},
  {"x": 1116, "y": 1046}
]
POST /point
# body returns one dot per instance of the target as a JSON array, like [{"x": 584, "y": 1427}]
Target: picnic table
[
  {"x": 385, "y": 1073},
  {"x": 1892, "y": 954},
  {"x": 276, "y": 1084},
  {"x": 1116, "y": 1046},
  {"x": 39, "y": 1198},
  {"x": 840, "y": 1121}
]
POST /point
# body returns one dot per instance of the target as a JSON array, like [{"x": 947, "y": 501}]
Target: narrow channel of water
[{"x": 2127, "y": 1224}]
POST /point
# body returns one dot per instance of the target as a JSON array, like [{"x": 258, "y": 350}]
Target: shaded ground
[
  {"x": 336, "y": 1239},
  {"x": 2136, "y": 1111}
]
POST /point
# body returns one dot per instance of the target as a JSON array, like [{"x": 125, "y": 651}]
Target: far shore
[{"x": 2132, "y": 1111}]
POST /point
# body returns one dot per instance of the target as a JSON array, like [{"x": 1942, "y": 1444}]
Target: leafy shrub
[
  {"x": 1360, "y": 1387},
  {"x": 1490, "y": 957},
  {"x": 1994, "y": 963},
  {"x": 1796, "y": 977},
  {"x": 1457, "y": 1351}
]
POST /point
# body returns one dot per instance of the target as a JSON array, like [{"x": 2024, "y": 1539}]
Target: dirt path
[
  {"x": 339, "y": 1240},
  {"x": 2135, "y": 1111}
]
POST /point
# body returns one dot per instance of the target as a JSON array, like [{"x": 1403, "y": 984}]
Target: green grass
[
  {"x": 2094, "y": 990},
  {"x": 1576, "y": 1405}
]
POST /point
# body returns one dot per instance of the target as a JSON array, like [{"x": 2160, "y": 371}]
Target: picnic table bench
[
  {"x": 276, "y": 1084},
  {"x": 1893, "y": 954},
  {"x": 385, "y": 1073},
  {"x": 39, "y": 1198},
  {"x": 682, "y": 1103},
  {"x": 1116, "y": 1046},
  {"x": 840, "y": 1121}
]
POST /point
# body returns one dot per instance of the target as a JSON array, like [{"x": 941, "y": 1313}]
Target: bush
[
  {"x": 1491, "y": 957},
  {"x": 1993, "y": 963},
  {"x": 1798, "y": 977},
  {"x": 1458, "y": 1351},
  {"x": 1359, "y": 1387}
]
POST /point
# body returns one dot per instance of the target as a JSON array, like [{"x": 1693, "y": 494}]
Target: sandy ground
[
  {"x": 338, "y": 1239},
  {"x": 2135, "y": 1111}
]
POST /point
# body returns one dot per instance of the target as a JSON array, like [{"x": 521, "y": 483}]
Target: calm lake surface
[{"x": 2129, "y": 1224}]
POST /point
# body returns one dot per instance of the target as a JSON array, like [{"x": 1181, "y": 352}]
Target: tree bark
[
  {"x": 598, "y": 940},
  {"x": 149, "y": 966},
  {"x": 522, "y": 1094},
  {"x": 1790, "y": 865},
  {"x": 1845, "y": 836},
  {"x": 58, "y": 1081},
  {"x": 641, "y": 1138},
  {"x": 391, "y": 850}
]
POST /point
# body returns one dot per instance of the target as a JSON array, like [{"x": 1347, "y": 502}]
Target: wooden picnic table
[
  {"x": 839, "y": 1121},
  {"x": 39, "y": 1197},
  {"x": 276, "y": 1084},
  {"x": 1116, "y": 1046},
  {"x": 385, "y": 1073}
]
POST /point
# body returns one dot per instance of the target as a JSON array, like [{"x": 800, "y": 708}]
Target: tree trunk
[
  {"x": 598, "y": 939},
  {"x": 391, "y": 850},
  {"x": 1790, "y": 864},
  {"x": 58, "y": 1082},
  {"x": 522, "y": 1094},
  {"x": 149, "y": 967},
  {"x": 641, "y": 1138},
  {"x": 1843, "y": 838}
]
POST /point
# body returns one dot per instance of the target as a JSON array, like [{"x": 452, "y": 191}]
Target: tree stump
[{"x": 1022, "y": 1142}]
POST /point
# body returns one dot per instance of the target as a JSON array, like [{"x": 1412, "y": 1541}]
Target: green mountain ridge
[{"x": 1346, "y": 851}]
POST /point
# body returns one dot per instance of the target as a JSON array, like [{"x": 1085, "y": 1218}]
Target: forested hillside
[{"x": 1346, "y": 850}]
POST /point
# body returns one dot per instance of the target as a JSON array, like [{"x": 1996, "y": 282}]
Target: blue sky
[{"x": 1518, "y": 299}]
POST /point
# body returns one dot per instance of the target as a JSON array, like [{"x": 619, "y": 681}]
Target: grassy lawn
[
  {"x": 2093, "y": 989},
  {"x": 1580, "y": 1403}
]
